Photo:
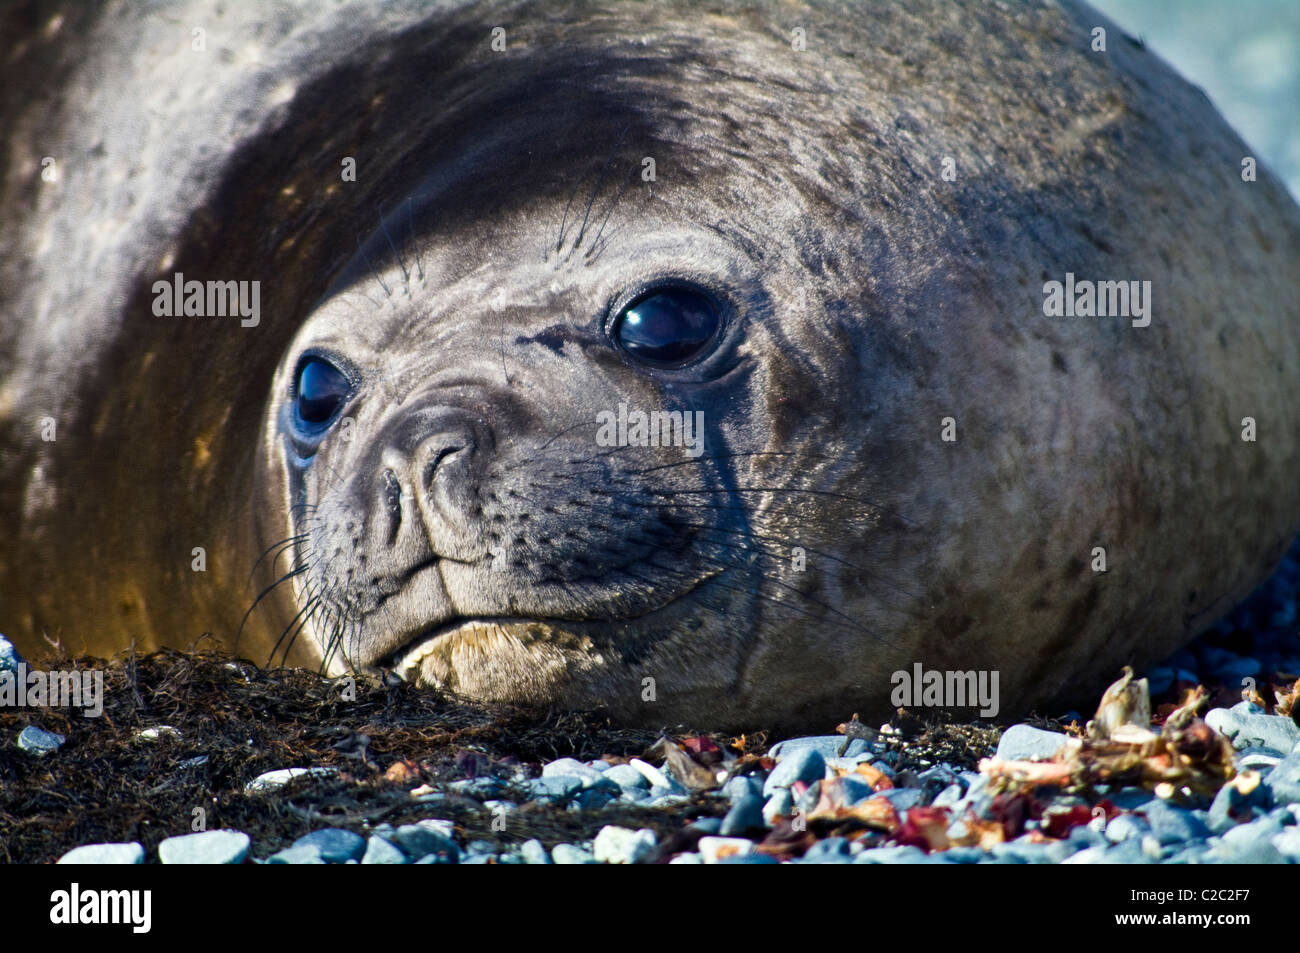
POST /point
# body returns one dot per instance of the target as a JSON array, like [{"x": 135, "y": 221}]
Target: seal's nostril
[
  {"x": 432, "y": 468},
  {"x": 393, "y": 503}
]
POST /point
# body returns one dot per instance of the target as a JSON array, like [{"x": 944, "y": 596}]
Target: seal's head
[
  {"x": 592, "y": 395},
  {"x": 672, "y": 374}
]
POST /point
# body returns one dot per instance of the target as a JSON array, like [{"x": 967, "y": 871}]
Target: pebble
[
  {"x": 573, "y": 768},
  {"x": 205, "y": 847},
  {"x": 1287, "y": 844},
  {"x": 1231, "y": 806},
  {"x": 297, "y": 854},
  {"x": 1248, "y": 726},
  {"x": 534, "y": 852},
  {"x": 828, "y": 746},
  {"x": 801, "y": 764},
  {"x": 1258, "y": 759},
  {"x": 622, "y": 845},
  {"x": 831, "y": 850},
  {"x": 156, "y": 734},
  {"x": 571, "y": 854},
  {"x": 742, "y": 786},
  {"x": 1034, "y": 852},
  {"x": 1121, "y": 827},
  {"x": 892, "y": 855},
  {"x": 9, "y": 657},
  {"x": 1283, "y": 782},
  {"x": 335, "y": 845},
  {"x": 713, "y": 849},
  {"x": 274, "y": 780},
  {"x": 654, "y": 776},
  {"x": 780, "y": 804},
  {"x": 132, "y": 853},
  {"x": 380, "y": 851},
  {"x": 554, "y": 788},
  {"x": 746, "y": 813},
  {"x": 1171, "y": 824},
  {"x": 428, "y": 837},
  {"x": 1026, "y": 743},
  {"x": 902, "y": 798},
  {"x": 39, "y": 742},
  {"x": 628, "y": 778}
]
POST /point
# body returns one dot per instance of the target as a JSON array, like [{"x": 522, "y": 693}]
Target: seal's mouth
[
  {"x": 434, "y": 654},
  {"x": 441, "y": 639}
]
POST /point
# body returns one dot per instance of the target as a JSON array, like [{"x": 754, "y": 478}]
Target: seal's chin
[{"x": 504, "y": 660}]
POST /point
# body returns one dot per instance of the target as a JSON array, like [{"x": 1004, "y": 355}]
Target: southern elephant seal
[{"x": 939, "y": 310}]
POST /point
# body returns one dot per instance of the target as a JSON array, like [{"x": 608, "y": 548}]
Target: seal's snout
[{"x": 445, "y": 484}]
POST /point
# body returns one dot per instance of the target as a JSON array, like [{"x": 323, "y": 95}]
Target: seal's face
[{"x": 546, "y": 439}]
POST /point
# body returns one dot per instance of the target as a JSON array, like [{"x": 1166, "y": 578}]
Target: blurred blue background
[{"x": 1244, "y": 53}]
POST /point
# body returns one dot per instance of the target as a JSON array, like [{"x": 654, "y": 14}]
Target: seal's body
[{"x": 705, "y": 365}]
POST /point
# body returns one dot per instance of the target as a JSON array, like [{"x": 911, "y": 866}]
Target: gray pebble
[
  {"x": 205, "y": 847},
  {"x": 1247, "y": 726},
  {"x": 828, "y": 746},
  {"x": 746, "y": 813},
  {"x": 571, "y": 854},
  {"x": 132, "y": 853},
  {"x": 902, "y": 798},
  {"x": 297, "y": 854},
  {"x": 831, "y": 850},
  {"x": 801, "y": 764},
  {"x": 1287, "y": 843},
  {"x": 39, "y": 742},
  {"x": 1283, "y": 782},
  {"x": 9, "y": 657},
  {"x": 380, "y": 851},
  {"x": 1172, "y": 824},
  {"x": 433, "y": 836},
  {"x": 712, "y": 849},
  {"x": 1230, "y": 806},
  {"x": 1258, "y": 759},
  {"x": 555, "y": 787},
  {"x": 742, "y": 786},
  {"x": 485, "y": 787},
  {"x": 780, "y": 804},
  {"x": 1123, "y": 826},
  {"x": 335, "y": 844},
  {"x": 706, "y": 826},
  {"x": 892, "y": 855},
  {"x": 627, "y": 777},
  {"x": 622, "y": 845},
  {"x": 1026, "y": 743},
  {"x": 573, "y": 768},
  {"x": 534, "y": 852}
]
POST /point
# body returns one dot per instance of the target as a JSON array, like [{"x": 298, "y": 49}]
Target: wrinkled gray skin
[{"x": 466, "y": 528}]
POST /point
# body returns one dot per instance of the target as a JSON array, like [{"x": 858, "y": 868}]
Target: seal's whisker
[
  {"x": 307, "y": 606},
  {"x": 383, "y": 226},
  {"x": 594, "y": 250},
  {"x": 595, "y": 191},
  {"x": 749, "y": 534},
  {"x": 371, "y": 266},
  {"x": 410, "y": 228},
  {"x": 287, "y": 542}
]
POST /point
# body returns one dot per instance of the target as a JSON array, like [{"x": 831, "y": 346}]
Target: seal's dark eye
[
  {"x": 322, "y": 389},
  {"x": 667, "y": 327}
]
